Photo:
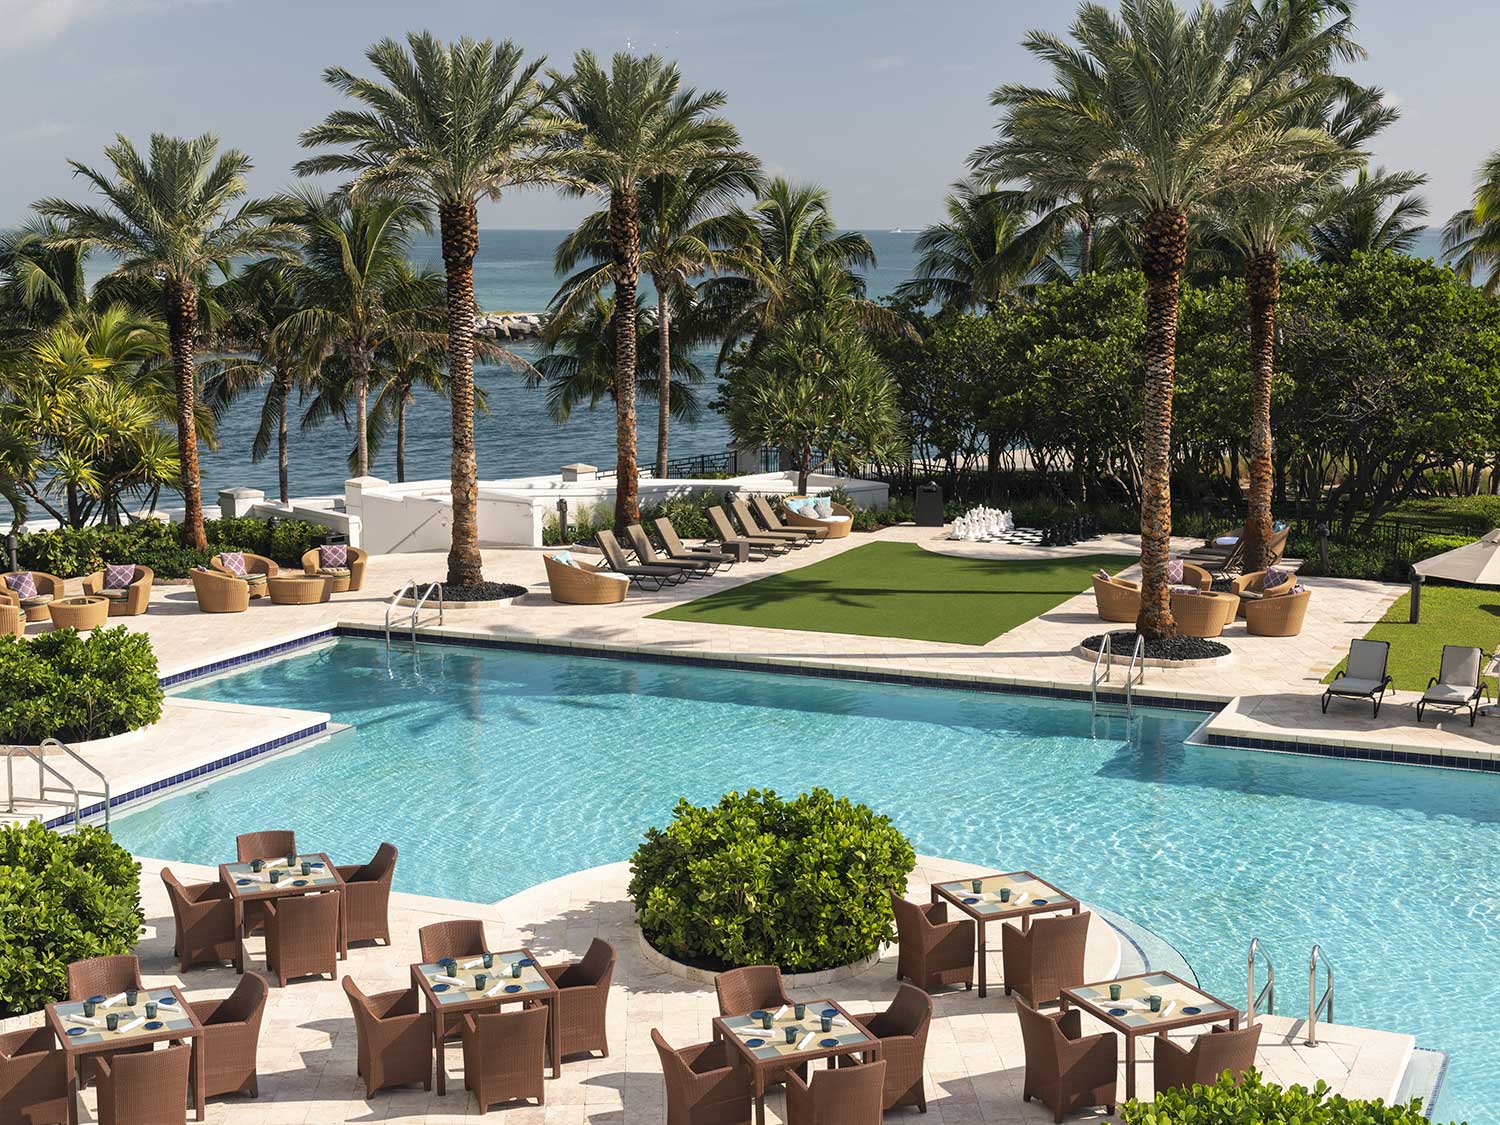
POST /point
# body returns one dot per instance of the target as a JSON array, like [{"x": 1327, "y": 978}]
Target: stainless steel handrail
[
  {"x": 103, "y": 793},
  {"x": 66, "y": 784},
  {"x": 1137, "y": 653},
  {"x": 1316, "y": 1005},
  {"x": 409, "y": 584},
  {"x": 1267, "y": 991},
  {"x": 1105, "y": 648},
  {"x": 421, "y": 601}
]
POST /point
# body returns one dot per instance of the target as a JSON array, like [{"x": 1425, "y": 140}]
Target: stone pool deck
[{"x": 974, "y": 1064}]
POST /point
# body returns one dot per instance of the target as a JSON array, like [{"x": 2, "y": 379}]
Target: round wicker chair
[
  {"x": 835, "y": 529},
  {"x": 1118, "y": 599},
  {"x": 1277, "y": 617},
  {"x": 136, "y": 597},
  {"x": 220, "y": 593},
  {"x": 1193, "y": 575},
  {"x": 1202, "y": 615},
  {"x": 255, "y": 565},
  {"x": 583, "y": 585},
  {"x": 1255, "y": 582},
  {"x": 353, "y": 580},
  {"x": 48, "y": 586}
]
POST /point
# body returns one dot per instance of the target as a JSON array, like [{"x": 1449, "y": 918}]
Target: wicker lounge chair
[
  {"x": 849, "y": 1095},
  {"x": 1065, "y": 1068},
  {"x": 367, "y": 896},
  {"x": 505, "y": 1055},
  {"x": 33, "y": 1078},
  {"x": 1118, "y": 599},
  {"x": 902, "y": 1031},
  {"x": 302, "y": 936},
  {"x": 231, "y": 1035},
  {"x": 462, "y": 937},
  {"x": 640, "y": 542},
  {"x": 345, "y": 578},
  {"x": 753, "y": 529},
  {"x": 583, "y": 999},
  {"x": 571, "y": 584},
  {"x": 1364, "y": 674},
  {"x": 677, "y": 549},
  {"x": 49, "y": 588},
  {"x": 750, "y": 988},
  {"x": 703, "y": 1083},
  {"x": 1277, "y": 617},
  {"x": 204, "y": 916},
  {"x": 129, "y": 602},
  {"x": 646, "y": 577},
  {"x": 1041, "y": 961},
  {"x": 103, "y": 976},
  {"x": 393, "y": 1038},
  {"x": 1459, "y": 683},
  {"x": 220, "y": 593},
  {"x": 831, "y": 528},
  {"x": 931, "y": 950},
  {"x": 730, "y": 537},
  {"x": 772, "y": 522},
  {"x": 1220, "y": 556},
  {"x": 144, "y": 1087},
  {"x": 1214, "y": 1053}
]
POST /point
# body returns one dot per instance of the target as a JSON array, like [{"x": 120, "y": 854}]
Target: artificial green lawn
[
  {"x": 901, "y": 590},
  {"x": 1451, "y": 615}
]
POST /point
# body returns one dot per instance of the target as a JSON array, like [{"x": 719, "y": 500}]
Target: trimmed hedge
[
  {"x": 71, "y": 552},
  {"x": 64, "y": 685},
  {"x": 1258, "y": 1102},
  {"x": 756, "y": 880},
  {"x": 62, "y": 899}
]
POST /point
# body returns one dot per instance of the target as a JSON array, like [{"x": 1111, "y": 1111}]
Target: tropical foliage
[{"x": 64, "y": 685}]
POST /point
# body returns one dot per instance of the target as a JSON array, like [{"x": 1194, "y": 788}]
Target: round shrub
[
  {"x": 757, "y": 880},
  {"x": 1261, "y": 1102},
  {"x": 62, "y": 898},
  {"x": 64, "y": 685}
]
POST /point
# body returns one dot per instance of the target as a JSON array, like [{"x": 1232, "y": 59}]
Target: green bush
[
  {"x": 62, "y": 898},
  {"x": 71, "y": 552},
  {"x": 1258, "y": 1102},
  {"x": 168, "y": 560},
  {"x": 63, "y": 685},
  {"x": 1474, "y": 515},
  {"x": 802, "y": 884}
]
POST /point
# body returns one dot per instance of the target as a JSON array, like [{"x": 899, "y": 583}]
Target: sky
[{"x": 879, "y": 102}]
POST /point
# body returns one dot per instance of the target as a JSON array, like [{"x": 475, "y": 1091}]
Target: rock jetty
[{"x": 509, "y": 326}]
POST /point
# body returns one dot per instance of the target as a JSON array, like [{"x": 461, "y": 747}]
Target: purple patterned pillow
[
  {"x": 234, "y": 562},
  {"x": 1174, "y": 571},
  {"x": 118, "y": 576},
  {"x": 1102, "y": 574},
  {"x": 22, "y": 585},
  {"x": 333, "y": 554},
  {"x": 1274, "y": 577}
]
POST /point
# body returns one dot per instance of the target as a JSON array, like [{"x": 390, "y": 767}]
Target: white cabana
[{"x": 1475, "y": 564}]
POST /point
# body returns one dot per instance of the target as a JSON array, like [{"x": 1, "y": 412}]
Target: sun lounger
[
  {"x": 772, "y": 521},
  {"x": 1364, "y": 674},
  {"x": 755, "y": 531},
  {"x": 1459, "y": 683},
  {"x": 641, "y": 542},
  {"x": 728, "y": 535},
  {"x": 646, "y": 577},
  {"x": 676, "y": 548}
]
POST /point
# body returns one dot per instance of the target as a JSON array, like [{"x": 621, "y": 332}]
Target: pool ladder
[
  {"x": 1135, "y": 673},
  {"x": 420, "y": 595},
  {"x": 1317, "y": 1006},
  {"x": 1268, "y": 990},
  {"x": 60, "y": 791}
]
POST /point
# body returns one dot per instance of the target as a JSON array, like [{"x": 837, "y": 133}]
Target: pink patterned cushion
[
  {"x": 1274, "y": 577},
  {"x": 1102, "y": 575},
  {"x": 22, "y": 585},
  {"x": 234, "y": 562},
  {"x": 119, "y": 576},
  {"x": 333, "y": 554},
  {"x": 1174, "y": 571}
]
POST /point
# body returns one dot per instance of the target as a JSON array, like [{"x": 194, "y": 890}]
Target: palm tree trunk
[
  {"x": 1163, "y": 252},
  {"x": 1263, "y": 290},
  {"x": 401, "y": 440},
  {"x": 283, "y": 462},
  {"x": 182, "y": 318},
  {"x": 1086, "y": 244},
  {"x": 663, "y": 377},
  {"x": 359, "y": 360},
  {"x": 625, "y": 247},
  {"x": 459, "y": 222}
]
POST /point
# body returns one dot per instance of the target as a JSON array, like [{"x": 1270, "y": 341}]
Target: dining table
[
  {"x": 1000, "y": 897},
  {"x": 285, "y": 877}
]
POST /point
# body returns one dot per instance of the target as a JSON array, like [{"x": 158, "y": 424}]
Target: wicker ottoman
[
  {"x": 12, "y": 622},
  {"x": 80, "y": 613},
  {"x": 298, "y": 589}
]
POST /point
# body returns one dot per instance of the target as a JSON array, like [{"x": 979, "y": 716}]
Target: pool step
[{"x": 1423, "y": 1079}]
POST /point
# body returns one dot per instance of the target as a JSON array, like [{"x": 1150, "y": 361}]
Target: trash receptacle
[{"x": 930, "y": 505}]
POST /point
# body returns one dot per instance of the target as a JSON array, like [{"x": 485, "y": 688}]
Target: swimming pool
[{"x": 1394, "y": 869}]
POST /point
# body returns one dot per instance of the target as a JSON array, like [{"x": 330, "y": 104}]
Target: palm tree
[
  {"x": 973, "y": 258},
  {"x": 168, "y": 221},
  {"x": 1471, "y": 239},
  {"x": 1375, "y": 214},
  {"x": 635, "y": 123},
  {"x": 1177, "y": 105},
  {"x": 404, "y": 367},
  {"x": 40, "y": 283},
  {"x": 449, "y": 124}
]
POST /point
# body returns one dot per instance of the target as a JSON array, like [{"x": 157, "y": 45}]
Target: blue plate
[
  {"x": 168, "y": 1000},
  {"x": 440, "y": 988},
  {"x": 828, "y": 1043},
  {"x": 315, "y": 866},
  {"x": 1191, "y": 1011},
  {"x": 830, "y": 1012},
  {"x": 970, "y": 901},
  {"x": 748, "y": 1042},
  {"x": 300, "y": 883},
  {"x": 154, "y": 1025},
  {"x": 1038, "y": 902},
  {"x": 1117, "y": 1011},
  {"x": 512, "y": 988},
  {"x": 243, "y": 882},
  {"x": 78, "y": 1031},
  {"x": 757, "y": 1014},
  {"x": 98, "y": 999},
  {"x": 527, "y": 961}
]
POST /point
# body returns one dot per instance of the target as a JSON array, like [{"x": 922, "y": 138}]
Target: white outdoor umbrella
[{"x": 1477, "y": 564}]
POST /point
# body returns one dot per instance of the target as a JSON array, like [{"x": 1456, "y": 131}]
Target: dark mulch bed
[
  {"x": 480, "y": 592},
  {"x": 1172, "y": 648}
]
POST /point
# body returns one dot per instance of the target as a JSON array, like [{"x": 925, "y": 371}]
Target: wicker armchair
[
  {"x": 462, "y": 937},
  {"x": 367, "y": 896},
  {"x": 130, "y": 602},
  {"x": 393, "y": 1038},
  {"x": 583, "y": 999},
  {"x": 33, "y": 1081},
  {"x": 749, "y": 989},
  {"x": 505, "y": 1055},
  {"x": 220, "y": 593},
  {"x": 931, "y": 950},
  {"x": 1277, "y": 617},
  {"x": 103, "y": 976},
  {"x": 346, "y": 578},
  {"x": 1213, "y": 1054},
  {"x": 302, "y": 936},
  {"x": 144, "y": 1088},
  {"x": 1201, "y": 615},
  {"x": 204, "y": 916},
  {"x": 836, "y": 529},
  {"x": 254, "y": 564},
  {"x": 231, "y": 1034},
  {"x": 704, "y": 1086},
  {"x": 1255, "y": 583},
  {"x": 850, "y": 1095},
  {"x": 49, "y": 588},
  {"x": 902, "y": 1031},
  {"x": 1065, "y": 1068},
  {"x": 1118, "y": 599},
  {"x": 583, "y": 585},
  {"x": 1194, "y": 575},
  {"x": 1043, "y": 960}
]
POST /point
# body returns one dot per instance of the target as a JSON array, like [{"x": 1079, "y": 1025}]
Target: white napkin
[
  {"x": 1167, "y": 1008},
  {"x": 449, "y": 980},
  {"x": 133, "y": 1024},
  {"x": 113, "y": 1000},
  {"x": 496, "y": 990},
  {"x": 781, "y": 1011},
  {"x": 90, "y": 1020},
  {"x": 471, "y": 964},
  {"x": 840, "y": 1021},
  {"x": 808, "y": 1038}
]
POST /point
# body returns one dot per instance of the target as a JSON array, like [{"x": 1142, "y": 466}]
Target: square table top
[
  {"x": 245, "y": 883},
  {"x": 1183, "y": 1004},
  {"x": 761, "y": 1045},
  {"x": 501, "y": 986},
  {"x": 77, "y": 1032},
  {"x": 1029, "y": 894}
]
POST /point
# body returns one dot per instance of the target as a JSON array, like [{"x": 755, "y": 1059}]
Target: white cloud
[{"x": 33, "y": 23}]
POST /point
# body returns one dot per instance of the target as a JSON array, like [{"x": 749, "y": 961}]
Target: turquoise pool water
[{"x": 1395, "y": 870}]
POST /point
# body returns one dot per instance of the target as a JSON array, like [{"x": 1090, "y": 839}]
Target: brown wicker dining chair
[
  {"x": 145, "y": 1087},
  {"x": 33, "y": 1079},
  {"x": 704, "y": 1086},
  {"x": 204, "y": 916},
  {"x": 745, "y": 990},
  {"x": 302, "y": 936},
  {"x": 504, "y": 1056},
  {"x": 583, "y": 999},
  {"x": 931, "y": 950},
  {"x": 850, "y": 1095},
  {"x": 462, "y": 937},
  {"x": 902, "y": 1031},
  {"x": 231, "y": 1035},
  {"x": 1045, "y": 959},
  {"x": 1214, "y": 1053},
  {"x": 103, "y": 976},
  {"x": 393, "y": 1038},
  {"x": 367, "y": 896},
  {"x": 1065, "y": 1068},
  {"x": 275, "y": 844}
]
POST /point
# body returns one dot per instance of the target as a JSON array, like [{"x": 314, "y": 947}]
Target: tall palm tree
[
  {"x": 168, "y": 219},
  {"x": 972, "y": 258},
  {"x": 403, "y": 367},
  {"x": 1471, "y": 238},
  {"x": 448, "y": 124},
  {"x": 40, "y": 283},
  {"x": 1378, "y": 212},
  {"x": 1177, "y": 104},
  {"x": 635, "y": 122}
]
